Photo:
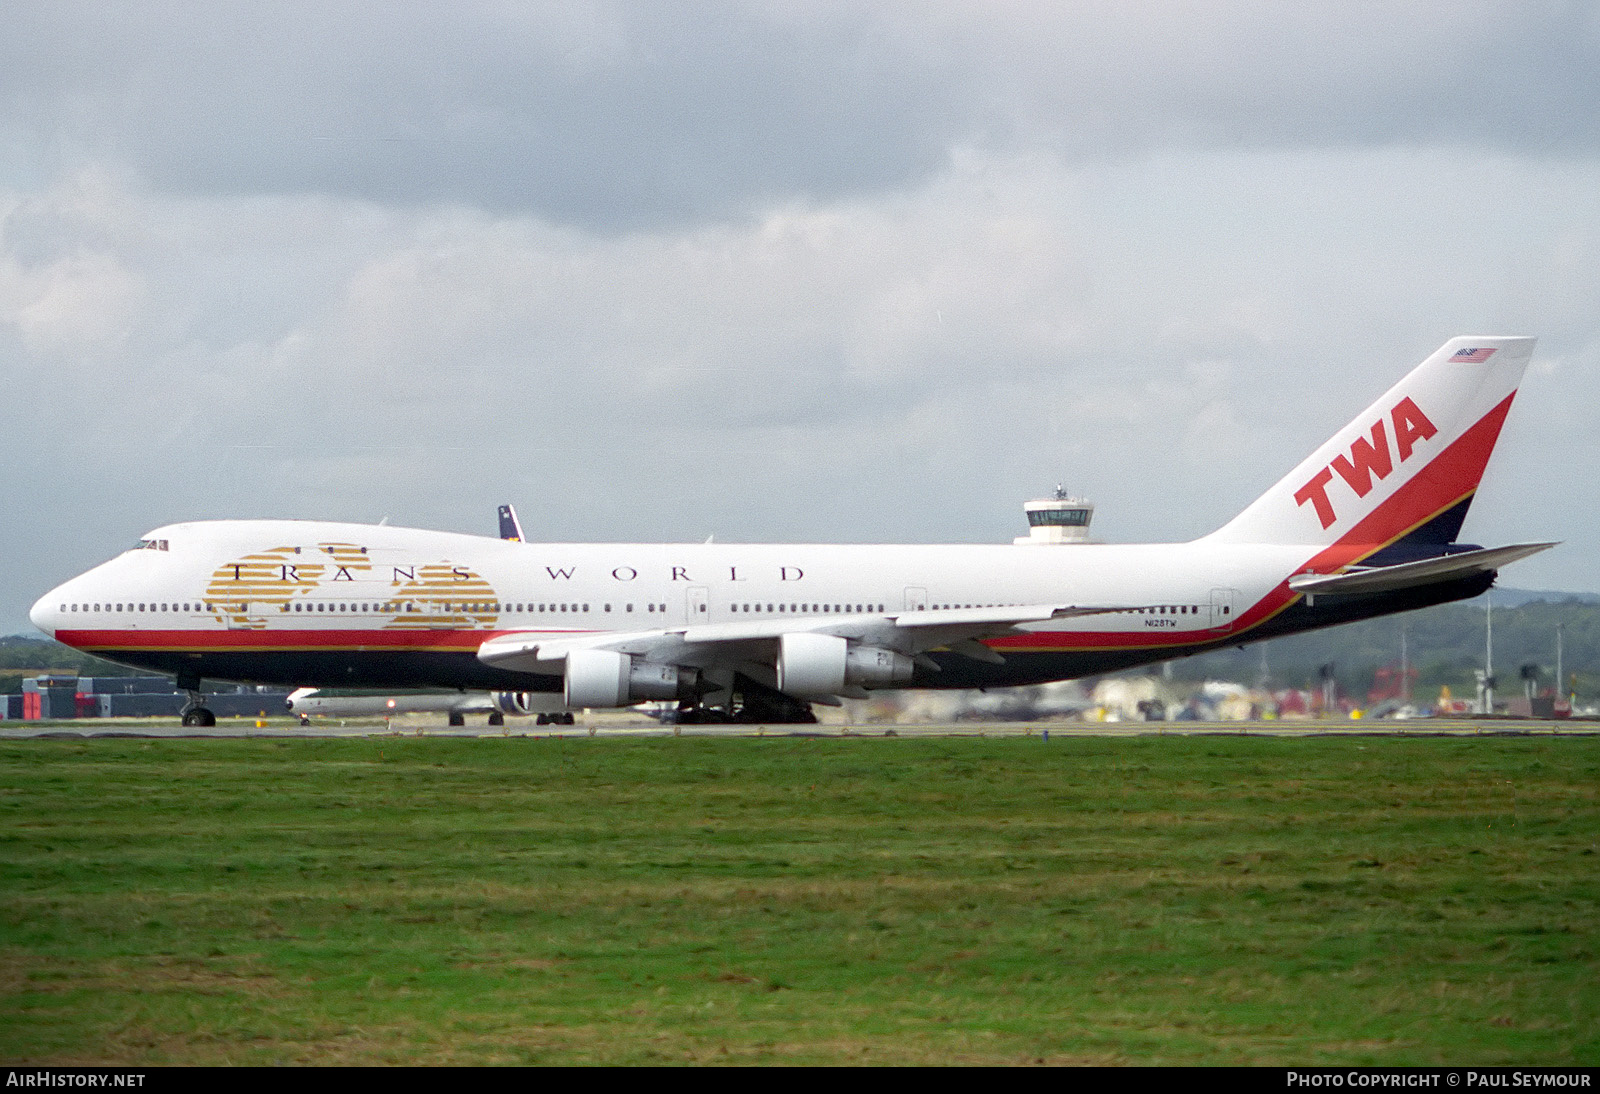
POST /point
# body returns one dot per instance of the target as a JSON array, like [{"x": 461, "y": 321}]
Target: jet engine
[
  {"x": 824, "y": 665},
  {"x": 603, "y": 678},
  {"x": 513, "y": 702}
]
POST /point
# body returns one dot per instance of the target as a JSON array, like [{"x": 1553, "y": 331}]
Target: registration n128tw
[{"x": 1364, "y": 526}]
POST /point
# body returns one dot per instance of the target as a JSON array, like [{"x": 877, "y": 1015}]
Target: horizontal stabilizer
[{"x": 1382, "y": 579}]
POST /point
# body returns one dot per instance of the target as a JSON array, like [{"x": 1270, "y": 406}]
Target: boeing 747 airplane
[{"x": 1364, "y": 526}]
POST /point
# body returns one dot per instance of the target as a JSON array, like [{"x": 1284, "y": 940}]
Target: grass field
[{"x": 1202, "y": 900}]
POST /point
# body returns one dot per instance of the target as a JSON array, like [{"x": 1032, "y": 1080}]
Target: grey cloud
[
  {"x": 672, "y": 115},
  {"x": 618, "y": 116},
  {"x": 1261, "y": 74}
]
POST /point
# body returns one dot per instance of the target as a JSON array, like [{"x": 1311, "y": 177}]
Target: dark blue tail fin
[{"x": 510, "y": 527}]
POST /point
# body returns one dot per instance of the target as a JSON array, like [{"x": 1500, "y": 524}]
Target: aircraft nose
[{"x": 44, "y": 612}]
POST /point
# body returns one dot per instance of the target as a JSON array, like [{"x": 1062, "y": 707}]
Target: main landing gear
[
  {"x": 496, "y": 718},
  {"x": 752, "y": 703}
]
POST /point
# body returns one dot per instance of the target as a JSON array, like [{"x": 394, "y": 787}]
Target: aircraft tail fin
[
  {"x": 1407, "y": 467},
  {"x": 510, "y": 526}
]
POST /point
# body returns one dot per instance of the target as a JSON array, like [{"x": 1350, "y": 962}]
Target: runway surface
[{"x": 430, "y": 726}]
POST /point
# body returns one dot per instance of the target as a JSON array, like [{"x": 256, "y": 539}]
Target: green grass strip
[{"x": 527, "y": 901}]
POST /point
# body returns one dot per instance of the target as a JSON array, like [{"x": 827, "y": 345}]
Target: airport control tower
[{"x": 1059, "y": 519}]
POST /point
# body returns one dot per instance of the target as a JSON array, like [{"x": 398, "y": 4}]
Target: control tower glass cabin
[{"x": 1058, "y": 519}]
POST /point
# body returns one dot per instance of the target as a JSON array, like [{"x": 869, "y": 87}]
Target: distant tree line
[
  {"x": 22, "y": 656},
  {"x": 1445, "y": 644}
]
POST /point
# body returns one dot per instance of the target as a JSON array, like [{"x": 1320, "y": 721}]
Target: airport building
[{"x": 65, "y": 696}]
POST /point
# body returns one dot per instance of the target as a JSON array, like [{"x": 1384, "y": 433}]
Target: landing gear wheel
[
  {"x": 496, "y": 718},
  {"x": 788, "y": 713},
  {"x": 456, "y": 718},
  {"x": 704, "y": 716},
  {"x": 194, "y": 711}
]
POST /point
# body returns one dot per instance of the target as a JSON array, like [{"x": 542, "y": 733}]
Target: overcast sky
[{"x": 775, "y": 271}]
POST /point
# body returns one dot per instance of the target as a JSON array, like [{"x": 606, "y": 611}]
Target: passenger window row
[
  {"x": 380, "y": 607},
  {"x": 395, "y": 607},
  {"x": 809, "y": 609},
  {"x": 133, "y": 607}
]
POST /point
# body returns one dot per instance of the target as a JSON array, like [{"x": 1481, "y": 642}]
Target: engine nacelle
[
  {"x": 526, "y": 702},
  {"x": 824, "y": 665},
  {"x": 604, "y": 678},
  {"x": 875, "y": 667}
]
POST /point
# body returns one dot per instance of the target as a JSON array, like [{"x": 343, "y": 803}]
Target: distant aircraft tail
[
  {"x": 510, "y": 526},
  {"x": 1405, "y": 470}
]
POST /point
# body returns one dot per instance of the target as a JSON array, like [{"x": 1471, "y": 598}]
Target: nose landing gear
[
  {"x": 195, "y": 714},
  {"x": 199, "y": 716}
]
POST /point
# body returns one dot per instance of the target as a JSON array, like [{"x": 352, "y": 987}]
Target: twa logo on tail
[
  {"x": 1372, "y": 458},
  {"x": 1415, "y": 451}
]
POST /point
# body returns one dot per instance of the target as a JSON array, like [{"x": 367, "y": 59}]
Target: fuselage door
[
  {"x": 699, "y": 605},
  {"x": 1222, "y": 608},
  {"x": 916, "y": 599}
]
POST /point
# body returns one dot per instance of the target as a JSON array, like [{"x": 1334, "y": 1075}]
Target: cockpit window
[{"x": 151, "y": 545}]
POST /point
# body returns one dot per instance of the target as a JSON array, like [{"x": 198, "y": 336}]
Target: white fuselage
[
  {"x": 330, "y": 604},
  {"x": 302, "y": 576}
]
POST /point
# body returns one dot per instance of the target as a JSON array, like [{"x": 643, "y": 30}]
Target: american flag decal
[{"x": 1472, "y": 355}]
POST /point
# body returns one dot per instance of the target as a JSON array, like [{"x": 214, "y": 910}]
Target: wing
[{"x": 770, "y": 646}]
